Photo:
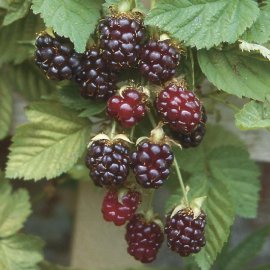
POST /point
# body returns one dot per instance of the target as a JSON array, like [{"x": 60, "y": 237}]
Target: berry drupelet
[
  {"x": 120, "y": 210},
  {"x": 179, "y": 108},
  {"x": 144, "y": 238},
  {"x": 128, "y": 108},
  {"x": 56, "y": 57},
  {"x": 108, "y": 162},
  {"x": 121, "y": 36},
  {"x": 158, "y": 61},
  {"x": 194, "y": 138},
  {"x": 185, "y": 234},
  {"x": 95, "y": 79}
]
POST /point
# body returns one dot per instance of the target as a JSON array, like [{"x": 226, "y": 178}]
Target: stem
[
  {"x": 153, "y": 3},
  {"x": 152, "y": 119},
  {"x": 179, "y": 175},
  {"x": 112, "y": 133},
  {"x": 131, "y": 135},
  {"x": 192, "y": 67}
]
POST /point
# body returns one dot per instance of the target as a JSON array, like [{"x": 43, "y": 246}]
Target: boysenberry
[
  {"x": 129, "y": 108},
  {"x": 108, "y": 162},
  {"x": 195, "y": 137},
  {"x": 95, "y": 79},
  {"x": 151, "y": 163},
  {"x": 120, "y": 211},
  {"x": 179, "y": 108},
  {"x": 121, "y": 37},
  {"x": 158, "y": 61},
  {"x": 56, "y": 57},
  {"x": 144, "y": 238},
  {"x": 185, "y": 234}
]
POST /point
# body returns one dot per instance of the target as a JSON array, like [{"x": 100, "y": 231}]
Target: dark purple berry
[
  {"x": 144, "y": 238},
  {"x": 56, "y": 57},
  {"x": 108, "y": 162},
  {"x": 95, "y": 79},
  {"x": 121, "y": 37},
  {"x": 151, "y": 164},
  {"x": 158, "y": 61},
  {"x": 185, "y": 234}
]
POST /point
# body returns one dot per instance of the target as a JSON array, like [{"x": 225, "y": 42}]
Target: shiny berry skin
[
  {"x": 158, "y": 61},
  {"x": 120, "y": 212},
  {"x": 120, "y": 39},
  {"x": 56, "y": 57},
  {"x": 144, "y": 238},
  {"x": 179, "y": 108},
  {"x": 185, "y": 235},
  {"x": 128, "y": 109},
  {"x": 108, "y": 162},
  {"x": 95, "y": 79},
  {"x": 195, "y": 137},
  {"x": 151, "y": 164}
]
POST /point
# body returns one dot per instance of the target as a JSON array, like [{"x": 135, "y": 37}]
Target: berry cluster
[{"x": 123, "y": 43}]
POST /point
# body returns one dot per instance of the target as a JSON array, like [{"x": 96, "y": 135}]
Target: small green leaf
[
  {"x": 220, "y": 216},
  {"x": 237, "y": 73},
  {"x": 93, "y": 109},
  {"x": 252, "y": 116},
  {"x": 75, "y": 19},
  {"x": 5, "y": 107},
  {"x": 246, "y": 251},
  {"x": 14, "y": 36},
  {"x": 20, "y": 252},
  {"x": 16, "y": 10},
  {"x": 204, "y": 23},
  {"x": 50, "y": 145},
  {"x": 259, "y": 31},
  {"x": 14, "y": 210},
  {"x": 29, "y": 80}
]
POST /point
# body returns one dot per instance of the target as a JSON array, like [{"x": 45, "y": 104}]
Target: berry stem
[
  {"x": 192, "y": 67},
  {"x": 179, "y": 175},
  {"x": 152, "y": 119},
  {"x": 113, "y": 129},
  {"x": 131, "y": 135}
]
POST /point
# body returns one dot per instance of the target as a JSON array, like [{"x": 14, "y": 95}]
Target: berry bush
[{"x": 130, "y": 95}]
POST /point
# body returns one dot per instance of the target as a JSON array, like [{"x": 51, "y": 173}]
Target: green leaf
[
  {"x": 234, "y": 167},
  {"x": 70, "y": 97},
  {"x": 220, "y": 216},
  {"x": 204, "y": 23},
  {"x": 16, "y": 10},
  {"x": 75, "y": 19},
  {"x": 48, "y": 266},
  {"x": 29, "y": 81},
  {"x": 240, "y": 257},
  {"x": 13, "y": 39},
  {"x": 237, "y": 73},
  {"x": 262, "y": 267},
  {"x": 252, "y": 116},
  {"x": 259, "y": 31},
  {"x": 173, "y": 201},
  {"x": 20, "y": 252},
  {"x": 14, "y": 209},
  {"x": 50, "y": 145},
  {"x": 5, "y": 107}
]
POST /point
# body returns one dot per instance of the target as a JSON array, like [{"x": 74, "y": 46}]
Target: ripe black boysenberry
[
  {"x": 95, "y": 79},
  {"x": 56, "y": 57},
  {"x": 158, "y": 61},
  {"x": 151, "y": 163},
  {"x": 121, "y": 37},
  {"x": 185, "y": 234},
  {"x": 108, "y": 162},
  {"x": 144, "y": 238}
]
